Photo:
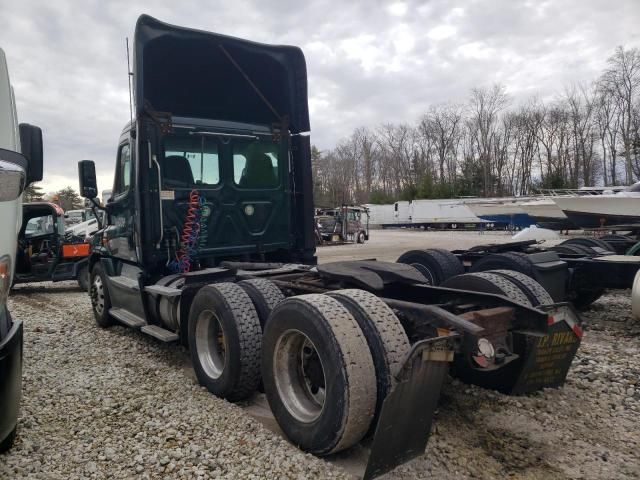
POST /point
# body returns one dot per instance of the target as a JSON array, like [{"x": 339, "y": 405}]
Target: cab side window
[{"x": 123, "y": 170}]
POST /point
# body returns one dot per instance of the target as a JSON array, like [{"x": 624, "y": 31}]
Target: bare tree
[
  {"x": 485, "y": 105},
  {"x": 441, "y": 127},
  {"x": 608, "y": 117},
  {"x": 622, "y": 80}
]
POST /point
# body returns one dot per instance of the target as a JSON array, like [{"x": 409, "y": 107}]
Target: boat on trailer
[
  {"x": 502, "y": 212},
  {"x": 546, "y": 214},
  {"x": 618, "y": 210}
]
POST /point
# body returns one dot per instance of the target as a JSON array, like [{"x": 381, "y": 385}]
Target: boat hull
[
  {"x": 520, "y": 220},
  {"x": 601, "y": 211},
  {"x": 598, "y": 220}
]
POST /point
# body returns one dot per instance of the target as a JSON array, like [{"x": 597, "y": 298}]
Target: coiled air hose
[{"x": 189, "y": 238}]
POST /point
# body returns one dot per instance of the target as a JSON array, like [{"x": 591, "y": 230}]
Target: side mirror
[
  {"x": 31, "y": 147},
  {"x": 13, "y": 166},
  {"x": 87, "y": 176}
]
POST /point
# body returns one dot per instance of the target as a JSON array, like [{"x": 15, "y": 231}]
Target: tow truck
[
  {"x": 209, "y": 241},
  {"x": 343, "y": 224}
]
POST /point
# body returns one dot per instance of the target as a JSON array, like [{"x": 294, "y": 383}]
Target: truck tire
[
  {"x": 584, "y": 289},
  {"x": 385, "y": 336},
  {"x": 588, "y": 242},
  {"x": 635, "y": 297},
  {"x": 224, "y": 341},
  {"x": 572, "y": 249},
  {"x": 83, "y": 278},
  {"x": 488, "y": 283},
  {"x": 634, "y": 251},
  {"x": 516, "y": 261},
  {"x": 614, "y": 238},
  {"x": 617, "y": 243},
  {"x": 7, "y": 443},
  {"x": 361, "y": 237},
  {"x": 309, "y": 341},
  {"x": 587, "y": 250},
  {"x": 264, "y": 294},
  {"x": 535, "y": 292},
  {"x": 100, "y": 300},
  {"x": 582, "y": 298},
  {"x": 441, "y": 264},
  {"x": 425, "y": 272}
]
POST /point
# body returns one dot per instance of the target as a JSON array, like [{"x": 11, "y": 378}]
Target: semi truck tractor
[{"x": 209, "y": 242}]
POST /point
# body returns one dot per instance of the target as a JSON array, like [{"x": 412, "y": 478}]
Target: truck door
[
  {"x": 353, "y": 222},
  {"x": 121, "y": 207}
]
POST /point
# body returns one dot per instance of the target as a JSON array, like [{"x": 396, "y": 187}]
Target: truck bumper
[{"x": 10, "y": 379}]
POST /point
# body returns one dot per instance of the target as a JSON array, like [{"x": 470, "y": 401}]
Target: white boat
[
  {"x": 501, "y": 211},
  {"x": 606, "y": 210},
  {"x": 546, "y": 214}
]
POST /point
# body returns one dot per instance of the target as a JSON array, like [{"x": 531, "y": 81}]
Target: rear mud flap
[
  {"x": 405, "y": 419},
  {"x": 549, "y": 357},
  {"x": 541, "y": 360}
]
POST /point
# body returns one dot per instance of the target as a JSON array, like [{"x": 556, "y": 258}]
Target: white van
[{"x": 20, "y": 164}]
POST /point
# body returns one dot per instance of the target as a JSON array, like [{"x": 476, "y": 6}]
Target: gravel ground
[
  {"x": 117, "y": 404},
  {"x": 114, "y": 404}
]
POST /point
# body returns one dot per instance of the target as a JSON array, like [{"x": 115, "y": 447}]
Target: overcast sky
[{"x": 368, "y": 62}]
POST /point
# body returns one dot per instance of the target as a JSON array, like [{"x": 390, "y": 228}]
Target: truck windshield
[{"x": 189, "y": 161}]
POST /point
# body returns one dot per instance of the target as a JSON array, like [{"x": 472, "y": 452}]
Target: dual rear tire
[
  {"x": 508, "y": 283},
  {"x": 327, "y": 361}
]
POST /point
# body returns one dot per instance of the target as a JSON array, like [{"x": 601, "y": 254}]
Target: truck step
[
  {"x": 126, "y": 317},
  {"x": 160, "y": 333},
  {"x": 125, "y": 282},
  {"x": 162, "y": 291}
]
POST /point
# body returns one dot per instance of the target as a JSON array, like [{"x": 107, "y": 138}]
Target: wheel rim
[
  {"x": 211, "y": 344},
  {"x": 426, "y": 273},
  {"x": 97, "y": 295},
  {"x": 299, "y": 376}
]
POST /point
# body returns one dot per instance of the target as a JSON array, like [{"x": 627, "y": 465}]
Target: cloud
[{"x": 368, "y": 62}]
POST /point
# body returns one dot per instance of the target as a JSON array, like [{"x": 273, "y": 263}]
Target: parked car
[
  {"x": 73, "y": 217},
  {"x": 20, "y": 165}
]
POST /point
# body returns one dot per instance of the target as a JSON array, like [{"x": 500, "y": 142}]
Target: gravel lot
[{"x": 117, "y": 404}]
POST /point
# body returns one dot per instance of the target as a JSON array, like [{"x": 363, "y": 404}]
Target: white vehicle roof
[{"x": 8, "y": 120}]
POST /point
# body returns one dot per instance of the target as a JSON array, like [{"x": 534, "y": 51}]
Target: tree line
[
  {"x": 66, "y": 198},
  {"x": 588, "y": 135}
]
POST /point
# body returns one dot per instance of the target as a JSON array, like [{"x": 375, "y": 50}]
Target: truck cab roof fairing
[{"x": 192, "y": 73}]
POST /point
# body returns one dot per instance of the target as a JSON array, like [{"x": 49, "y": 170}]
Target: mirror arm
[{"x": 97, "y": 206}]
